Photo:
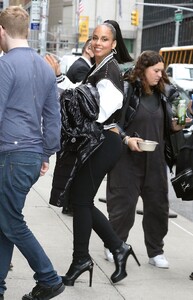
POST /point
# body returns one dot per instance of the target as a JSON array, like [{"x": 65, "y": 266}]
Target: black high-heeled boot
[
  {"x": 120, "y": 257},
  {"x": 76, "y": 269}
]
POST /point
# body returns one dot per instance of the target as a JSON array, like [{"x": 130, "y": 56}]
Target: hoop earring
[{"x": 114, "y": 51}]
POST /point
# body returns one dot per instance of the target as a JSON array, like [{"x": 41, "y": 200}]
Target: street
[{"x": 54, "y": 231}]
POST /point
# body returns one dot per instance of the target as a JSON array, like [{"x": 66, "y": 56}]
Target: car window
[
  {"x": 169, "y": 71},
  {"x": 184, "y": 73}
]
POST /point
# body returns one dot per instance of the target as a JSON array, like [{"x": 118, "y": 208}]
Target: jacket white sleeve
[{"x": 111, "y": 99}]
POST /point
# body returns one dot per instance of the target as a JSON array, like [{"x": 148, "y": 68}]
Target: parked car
[
  {"x": 183, "y": 94},
  {"x": 182, "y": 75},
  {"x": 68, "y": 59}
]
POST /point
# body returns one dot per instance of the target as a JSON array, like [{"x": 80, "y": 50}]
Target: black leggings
[{"x": 83, "y": 190}]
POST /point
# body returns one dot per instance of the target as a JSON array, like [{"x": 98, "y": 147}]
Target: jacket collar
[{"x": 103, "y": 62}]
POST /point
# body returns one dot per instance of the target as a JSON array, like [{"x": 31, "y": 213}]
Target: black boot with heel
[
  {"x": 76, "y": 269},
  {"x": 120, "y": 257}
]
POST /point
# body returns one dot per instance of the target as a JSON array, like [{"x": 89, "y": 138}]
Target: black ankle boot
[
  {"x": 76, "y": 269},
  {"x": 120, "y": 257}
]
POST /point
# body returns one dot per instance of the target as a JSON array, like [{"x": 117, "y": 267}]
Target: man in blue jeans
[{"x": 29, "y": 135}]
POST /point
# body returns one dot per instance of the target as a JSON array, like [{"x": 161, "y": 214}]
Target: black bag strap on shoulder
[{"x": 128, "y": 89}]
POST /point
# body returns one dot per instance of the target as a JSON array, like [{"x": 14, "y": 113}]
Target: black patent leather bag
[
  {"x": 183, "y": 184},
  {"x": 183, "y": 180}
]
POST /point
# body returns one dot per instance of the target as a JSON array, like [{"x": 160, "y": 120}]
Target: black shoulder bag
[{"x": 183, "y": 181}]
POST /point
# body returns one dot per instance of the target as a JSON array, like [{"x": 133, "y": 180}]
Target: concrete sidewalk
[{"x": 54, "y": 232}]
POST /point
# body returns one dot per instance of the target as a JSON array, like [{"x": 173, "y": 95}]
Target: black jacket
[
  {"x": 79, "y": 112},
  {"x": 78, "y": 70},
  {"x": 131, "y": 106},
  {"x": 81, "y": 135}
]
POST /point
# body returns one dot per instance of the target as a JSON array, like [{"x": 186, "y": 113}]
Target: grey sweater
[{"x": 29, "y": 104}]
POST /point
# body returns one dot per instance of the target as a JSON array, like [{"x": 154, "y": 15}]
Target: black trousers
[{"x": 83, "y": 190}]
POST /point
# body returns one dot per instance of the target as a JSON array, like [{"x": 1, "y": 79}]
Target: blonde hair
[{"x": 15, "y": 20}]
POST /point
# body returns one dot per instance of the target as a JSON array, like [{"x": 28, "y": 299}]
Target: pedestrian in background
[
  {"x": 79, "y": 69},
  {"x": 139, "y": 173},
  {"x": 106, "y": 77},
  {"x": 29, "y": 134}
]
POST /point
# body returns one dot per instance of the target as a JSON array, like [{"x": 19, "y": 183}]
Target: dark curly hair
[{"x": 147, "y": 59}]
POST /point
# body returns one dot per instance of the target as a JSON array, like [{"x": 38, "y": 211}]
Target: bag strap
[{"x": 128, "y": 89}]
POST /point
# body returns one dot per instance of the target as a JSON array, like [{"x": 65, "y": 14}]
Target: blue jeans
[{"x": 18, "y": 172}]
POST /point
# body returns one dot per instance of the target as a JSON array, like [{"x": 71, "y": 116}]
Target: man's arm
[
  {"x": 51, "y": 123},
  {"x": 6, "y": 76}
]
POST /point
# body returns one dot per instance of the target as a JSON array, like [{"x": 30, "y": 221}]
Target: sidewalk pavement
[{"x": 54, "y": 232}]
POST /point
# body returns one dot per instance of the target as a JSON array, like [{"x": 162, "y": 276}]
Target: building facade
[
  {"x": 63, "y": 20},
  {"x": 62, "y": 27},
  {"x": 159, "y": 25},
  {"x": 19, "y": 2}
]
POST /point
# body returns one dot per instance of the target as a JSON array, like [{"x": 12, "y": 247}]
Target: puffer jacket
[
  {"x": 81, "y": 135},
  {"x": 79, "y": 112},
  {"x": 167, "y": 97}
]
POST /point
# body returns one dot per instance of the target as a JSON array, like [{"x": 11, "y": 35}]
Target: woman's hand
[
  {"x": 178, "y": 127},
  {"x": 132, "y": 143},
  {"x": 44, "y": 168},
  {"x": 52, "y": 61}
]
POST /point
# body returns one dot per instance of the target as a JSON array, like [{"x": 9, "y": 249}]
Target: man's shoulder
[
  {"x": 77, "y": 69},
  {"x": 80, "y": 62}
]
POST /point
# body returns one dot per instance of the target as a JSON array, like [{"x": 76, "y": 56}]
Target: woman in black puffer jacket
[{"x": 149, "y": 114}]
